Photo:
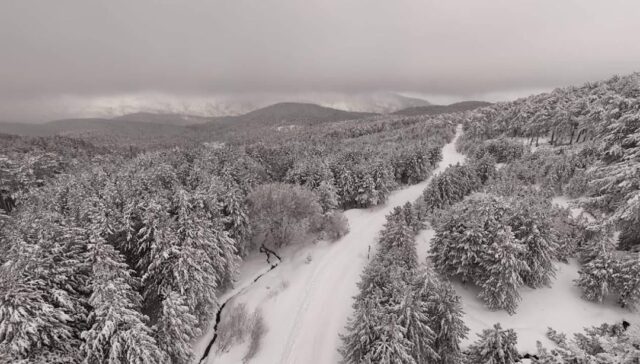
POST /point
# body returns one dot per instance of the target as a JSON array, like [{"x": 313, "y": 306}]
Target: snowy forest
[{"x": 382, "y": 239}]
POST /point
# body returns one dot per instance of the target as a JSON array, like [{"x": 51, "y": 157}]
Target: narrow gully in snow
[{"x": 268, "y": 253}]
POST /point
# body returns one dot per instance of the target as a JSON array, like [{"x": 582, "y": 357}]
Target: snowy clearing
[
  {"x": 305, "y": 303},
  {"x": 559, "y": 306}
]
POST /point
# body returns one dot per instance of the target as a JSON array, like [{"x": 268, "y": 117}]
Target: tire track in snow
[{"x": 297, "y": 323}]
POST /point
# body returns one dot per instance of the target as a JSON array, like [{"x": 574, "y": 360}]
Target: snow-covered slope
[{"x": 305, "y": 303}]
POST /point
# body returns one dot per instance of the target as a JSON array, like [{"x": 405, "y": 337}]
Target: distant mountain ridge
[
  {"x": 169, "y": 128},
  {"x": 162, "y": 118},
  {"x": 442, "y": 109},
  {"x": 165, "y": 127},
  {"x": 300, "y": 112},
  {"x": 382, "y": 103}
]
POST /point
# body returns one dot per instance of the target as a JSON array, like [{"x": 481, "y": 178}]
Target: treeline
[{"x": 28, "y": 162}]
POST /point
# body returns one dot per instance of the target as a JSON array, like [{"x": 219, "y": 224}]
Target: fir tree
[
  {"x": 445, "y": 316},
  {"x": 236, "y": 219},
  {"x": 327, "y": 196},
  {"x": 412, "y": 314},
  {"x": 176, "y": 329},
  {"x": 494, "y": 346},
  {"x": 596, "y": 278},
  {"x": 397, "y": 240},
  {"x": 362, "y": 330},
  {"x": 117, "y": 333},
  {"x": 626, "y": 280},
  {"x": 500, "y": 289},
  {"x": 530, "y": 222},
  {"x": 43, "y": 303}
]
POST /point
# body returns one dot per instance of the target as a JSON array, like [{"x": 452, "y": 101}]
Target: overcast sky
[{"x": 58, "y": 53}]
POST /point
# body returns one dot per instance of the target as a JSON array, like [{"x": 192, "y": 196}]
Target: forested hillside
[
  {"x": 112, "y": 256},
  {"x": 122, "y": 255}
]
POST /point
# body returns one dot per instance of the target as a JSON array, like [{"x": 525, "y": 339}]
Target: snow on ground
[
  {"x": 559, "y": 306},
  {"x": 252, "y": 266},
  {"x": 305, "y": 303},
  {"x": 576, "y": 211}
]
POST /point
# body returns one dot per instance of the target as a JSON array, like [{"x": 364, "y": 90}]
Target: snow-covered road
[{"x": 307, "y": 300}]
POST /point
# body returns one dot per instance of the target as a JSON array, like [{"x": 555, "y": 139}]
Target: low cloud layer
[{"x": 86, "y": 50}]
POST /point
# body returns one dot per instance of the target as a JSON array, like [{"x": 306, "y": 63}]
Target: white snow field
[
  {"x": 559, "y": 306},
  {"x": 305, "y": 304}
]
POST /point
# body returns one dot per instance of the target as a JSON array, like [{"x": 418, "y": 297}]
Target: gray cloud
[{"x": 79, "y": 48}]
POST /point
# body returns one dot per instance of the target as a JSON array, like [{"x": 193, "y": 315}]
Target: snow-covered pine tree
[
  {"x": 192, "y": 256},
  {"x": 500, "y": 289},
  {"x": 30, "y": 324},
  {"x": 596, "y": 278},
  {"x": 494, "y": 346},
  {"x": 594, "y": 247},
  {"x": 412, "y": 218},
  {"x": 393, "y": 347},
  {"x": 362, "y": 329},
  {"x": 345, "y": 181},
  {"x": 628, "y": 218},
  {"x": 445, "y": 315},
  {"x": 530, "y": 222},
  {"x": 382, "y": 175},
  {"x": 459, "y": 248},
  {"x": 176, "y": 329},
  {"x": 397, "y": 241},
  {"x": 413, "y": 315},
  {"x": 327, "y": 196},
  {"x": 626, "y": 280},
  {"x": 484, "y": 167},
  {"x": 435, "y": 156},
  {"x": 236, "y": 218},
  {"x": 118, "y": 331},
  {"x": 44, "y": 277}
]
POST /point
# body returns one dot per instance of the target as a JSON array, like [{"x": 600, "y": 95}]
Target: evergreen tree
[
  {"x": 236, "y": 219},
  {"x": 530, "y": 222},
  {"x": 393, "y": 345},
  {"x": 412, "y": 218},
  {"x": 43, "y": 303},
  {"x": 412, "y": 314},
  {"x": 327, "y": 196},
  {"x": 176, "y": 329},
  {"x": 626, "y": 280},
  {"x": 595, "y": 247},
  {"x": 500, "y": 289},
  {"x": 460, "y": 246},
  {"x": 362, "y": 328},
  {"x": 494, "y": 346},
  {"x": 445, "y": 316},
  {"x": 192, "y": 256},
  {"x": 397, "y": 240},
  {"x": 485, "y": 167},
  {"x": 117, "y": 333},
  {"x": 596, "y": 278}
]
